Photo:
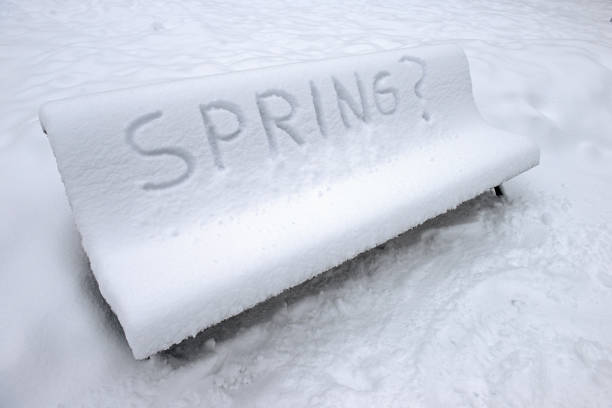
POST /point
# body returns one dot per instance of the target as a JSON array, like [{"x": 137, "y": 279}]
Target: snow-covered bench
[{"x": 199, "y": 198}]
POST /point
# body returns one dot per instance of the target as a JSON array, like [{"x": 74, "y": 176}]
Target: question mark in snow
[{"x": 419, "y": 83}]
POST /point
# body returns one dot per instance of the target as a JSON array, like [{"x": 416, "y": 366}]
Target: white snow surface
[
  {"x": 497, "y": 303},
  {"x": 185, "y": 226}
]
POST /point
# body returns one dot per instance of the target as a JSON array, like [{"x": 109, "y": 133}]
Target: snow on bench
[{"x": 199, "y": 198}]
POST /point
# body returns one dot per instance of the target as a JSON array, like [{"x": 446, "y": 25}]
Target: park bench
[{"x": 196, "y": 199}]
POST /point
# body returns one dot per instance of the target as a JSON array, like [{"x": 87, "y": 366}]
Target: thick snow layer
[
  {"x": 367, "y": 146},
  {"x": 497, "y": 303}
]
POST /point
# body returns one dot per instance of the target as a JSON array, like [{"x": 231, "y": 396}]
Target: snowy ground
[{"x": 499, "y": 303}]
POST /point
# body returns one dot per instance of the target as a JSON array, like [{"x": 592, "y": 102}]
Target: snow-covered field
[{"x": 498, "y": 303}]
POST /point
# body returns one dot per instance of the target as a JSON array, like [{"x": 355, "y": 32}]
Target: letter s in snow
[{"x": 176, "y": 152}]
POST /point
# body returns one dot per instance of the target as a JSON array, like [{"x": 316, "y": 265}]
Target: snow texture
[
  {"x": 196, "y": 199},
  {"x": 502, "y": 303}
]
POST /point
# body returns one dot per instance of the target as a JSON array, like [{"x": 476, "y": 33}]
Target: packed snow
[
  {"x": 501, "y": 302},
  {"x": 233, "y": 224}
]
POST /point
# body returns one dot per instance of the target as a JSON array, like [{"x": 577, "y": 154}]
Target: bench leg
[{"x": 499, "y": 191}]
